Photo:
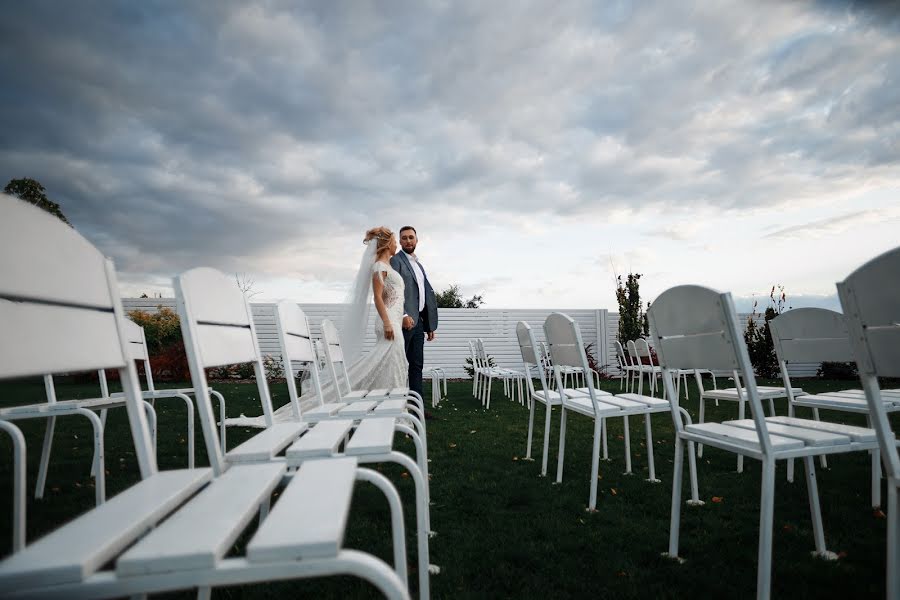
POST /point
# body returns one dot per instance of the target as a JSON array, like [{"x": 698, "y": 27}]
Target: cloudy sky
[{"x": 539, "y": 148}]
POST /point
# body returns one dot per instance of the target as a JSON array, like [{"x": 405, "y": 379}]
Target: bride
[{"x": 385, "y": 364}]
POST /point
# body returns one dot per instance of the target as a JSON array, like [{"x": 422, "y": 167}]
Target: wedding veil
[{"x": 357, "y": 307}]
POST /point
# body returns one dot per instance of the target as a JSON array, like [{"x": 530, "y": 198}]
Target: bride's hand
[{"x": 388, "y": 332}]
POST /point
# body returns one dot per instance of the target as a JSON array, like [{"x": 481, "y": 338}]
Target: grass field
[{"x": 505, "y": 532}]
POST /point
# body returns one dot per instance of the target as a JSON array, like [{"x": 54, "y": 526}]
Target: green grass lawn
[{"x": 505, "y": 532}]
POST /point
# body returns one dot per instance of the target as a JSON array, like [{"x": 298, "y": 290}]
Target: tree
[
  {"x": 31, "y": 191},
  {"x": 246, "y": 285},
  {"x": 758, "y": 337},
  {"x": 451, "y": 298},
  {"x": 631, "y": 319}
]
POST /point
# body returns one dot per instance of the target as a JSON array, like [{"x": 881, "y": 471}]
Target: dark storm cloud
[{"x": 254, "y": 136}]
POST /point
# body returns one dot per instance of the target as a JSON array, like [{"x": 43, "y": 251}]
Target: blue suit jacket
[{"x": 401, "y": 264}]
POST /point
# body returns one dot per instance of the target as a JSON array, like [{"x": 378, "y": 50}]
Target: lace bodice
[{"x": 392, "y": 294}]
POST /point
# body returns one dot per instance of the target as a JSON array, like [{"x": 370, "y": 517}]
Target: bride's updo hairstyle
[{"x": 382, "y": 235}]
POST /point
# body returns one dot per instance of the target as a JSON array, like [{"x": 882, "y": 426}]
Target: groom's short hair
[{"x": 405, "y": 227}]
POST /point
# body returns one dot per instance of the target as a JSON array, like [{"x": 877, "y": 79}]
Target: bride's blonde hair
[{"x": 383, "y": 236}]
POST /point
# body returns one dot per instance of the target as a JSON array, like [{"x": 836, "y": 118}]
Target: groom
[{"x": 420, "y": 316}]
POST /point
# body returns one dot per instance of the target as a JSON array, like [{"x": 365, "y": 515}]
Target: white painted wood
[
  {"x": 202, "y": 531},
  {"x": 357, "y": 409},
  {"x": 373, "y": 436},
  {"x": 225, "y": 345},
  {"x": 391, "y": 408},
  {"x": 583, "y": 405},
  {"x": 741, "y": 437},
  {"x": 323, "y": 411},
  {"x": 212, "y": 298},
  {"x": 833, "y": 402},
  {"x": 72, "y": 270},
  {"x": 322, "y": 440},
  {"x": 810, "y": 437},
  {"x": 80, "y": 339},
  {"x": 80, "y": 547},
  {"x": 377, "y": 393},
  {"x": 398, "y": 392},
  {"x": 653, "y": 403},
  {"x": 303, "y": 524},
  {"x": 267, "y": 443},
  {"x": 355, "y": 396},
  {"x": 857, "y": 434}
]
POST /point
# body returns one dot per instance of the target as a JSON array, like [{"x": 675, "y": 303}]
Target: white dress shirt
[{"x": 420, "y": 279}]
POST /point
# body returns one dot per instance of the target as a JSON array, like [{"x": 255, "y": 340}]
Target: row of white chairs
[
  {"x": 60, "y": 312},
  {"x": 695, "y": 328}
]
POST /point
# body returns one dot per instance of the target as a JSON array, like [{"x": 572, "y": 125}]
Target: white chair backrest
[
  {"x": 531, "y": 355},
  {"x": 633, "y": 353},
  {"x": 564, "y": 341},
  {"x": 566, "y": 348},
  {"x": 334, "y": 355},
  {"x": 621, "y": 357},
  {"x": 643, "y": 349},
  {"x": 60, "y": 309},
  {"x": 137, "y": 351},
  {"x": 870, "y": 297},
  {"x": 217, "y": 327},
  {"x": 292, "y": 330},
  {"x": 811, "y": 335},
  {"x": 694, "y": 327}
]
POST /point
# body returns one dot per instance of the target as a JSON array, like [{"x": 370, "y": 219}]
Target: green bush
[{"x": 162, "y": 328}]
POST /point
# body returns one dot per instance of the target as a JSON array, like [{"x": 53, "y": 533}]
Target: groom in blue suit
[{"x": 420, "y": 315}]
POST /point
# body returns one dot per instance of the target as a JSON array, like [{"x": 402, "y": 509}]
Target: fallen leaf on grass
[
  {"x": 842, "y": 554},
  {"x": 622, "y": 574},
  {"x": 613, "y": 491},
  {"x": 717, "y": 499},
  {"x": 515, "y": 458},
  {"x": 452, "y": 445},
  {"x": 404, "y": 474},
  {"x": 473, "y": 431},
  {"x": 879, "y": 514},
  {"x": 789, "y": 527}
]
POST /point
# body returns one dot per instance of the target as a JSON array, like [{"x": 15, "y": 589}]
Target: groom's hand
[
  {"x": 430, "y": 336},
  {"x": 407, "y": 322}
]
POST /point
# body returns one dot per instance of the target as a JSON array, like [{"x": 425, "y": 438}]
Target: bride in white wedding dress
[{"x": 385, "y": 364}]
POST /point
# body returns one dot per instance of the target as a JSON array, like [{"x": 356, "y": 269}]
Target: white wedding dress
[{"x": 383, "y": 366}]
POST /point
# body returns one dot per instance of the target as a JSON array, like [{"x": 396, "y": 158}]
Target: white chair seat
[
  {"x": 729, "y": 436},
  {"x": 324, "y": 411},
  {"x": 584, "y": 390},
  {"x": 809, "y": 437},
  {"x": 78, "y": 549},
  {"x": 214, "y": 517},
  {"x": 322, "y": 440},
  {"x": 358, "y": 409},
  {"x": 266, "y": 444},
  {"x": 583, "y": 405},
  {"x": 857, "y": 434},
  {"x": 765, "y": 393},
  {"x": 391, "y": 408},
  {"x": 655, "y": 404},
  {"x": 542, "y": 396},
  {"x": 373, "y": 436},
  {"x": 304, "y": 525}
]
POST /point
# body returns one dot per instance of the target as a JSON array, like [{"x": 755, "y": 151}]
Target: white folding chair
[
  {"x": 532, "y": 360},
  {"x": 805, "y": 335},
  {"x": 218, "y": 330},
  {"x": 870, "y": 297},
  {"x": 695, "y": 327},
  {"x": 60, "y": 312},
  {"x": 625, "y": 367},
  {"x": 438, "y": 378},
  {"x": 567, "y": 349}
]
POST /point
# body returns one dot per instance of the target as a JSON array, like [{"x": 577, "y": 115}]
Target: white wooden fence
[{"x": 497, "y": 327}]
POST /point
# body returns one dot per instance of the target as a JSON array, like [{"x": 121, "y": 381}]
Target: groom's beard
[{"x": 410, "y": 251}]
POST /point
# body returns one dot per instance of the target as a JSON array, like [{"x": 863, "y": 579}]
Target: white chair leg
[
  {"x": 100, "y": 479},
  {"x": 876, "y": 478},
  {"x": 627, "y": 445},
  {"x": 45, "y": 458},
  {"x": 650, "y": 464},
  {"x": 893, "y": 541},
  {"x": 562, "y": 444},
  {"x": 595, "y": 466},
  {"x": 675, "y": 519},
  {"x": 605, "y": 445},
  {"x": 766, "y": 522},
  {"x": 771, "y": 407},
  {"x": 546, "y": 456},
  {"x": 221, "y": 399},
  {"x": 740, "y": 458},
  {"x": 189, "y": 405},
  {"x": 700, "y": 420},
  {"x": 18, "y": 491},
  {"x": 398, "y": 527},
  {"x": 530, "y": 429},
  {"x": 815, "y": 510}
]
